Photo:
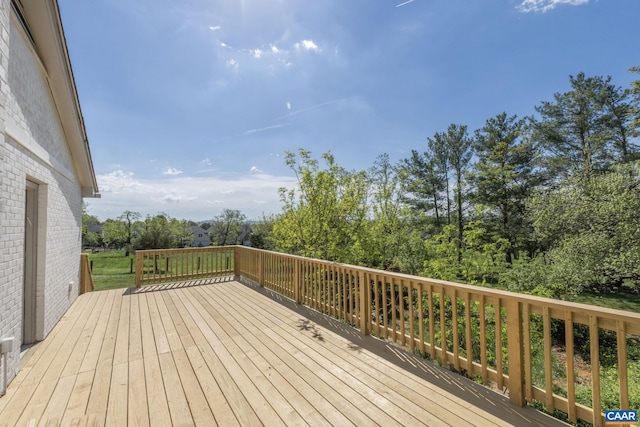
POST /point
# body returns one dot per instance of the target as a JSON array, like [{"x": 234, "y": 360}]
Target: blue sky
[{"x": 189, "y": 105}]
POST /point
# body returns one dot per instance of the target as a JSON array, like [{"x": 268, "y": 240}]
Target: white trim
[{"x": 20, "y": 137}]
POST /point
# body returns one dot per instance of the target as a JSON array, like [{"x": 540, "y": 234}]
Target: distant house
[
  {"x": 200, "y": 237},
  {"x": 45, "y": 172}
]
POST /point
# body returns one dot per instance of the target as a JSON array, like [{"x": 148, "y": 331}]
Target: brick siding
[{"x": 33, "y": 147}]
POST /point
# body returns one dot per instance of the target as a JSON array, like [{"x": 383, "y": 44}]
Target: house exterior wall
[
  {"x": 200, "y": 237},
  {"x": 33, "y": 147}
]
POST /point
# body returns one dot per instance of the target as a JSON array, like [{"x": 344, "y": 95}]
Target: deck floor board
[{"x": 228, "y": 353}]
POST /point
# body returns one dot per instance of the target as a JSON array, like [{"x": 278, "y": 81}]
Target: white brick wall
[{"x": 33, "y": 146}]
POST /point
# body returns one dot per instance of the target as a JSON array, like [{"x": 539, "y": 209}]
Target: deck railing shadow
[
  {"x": 507, "y": 340},
  {"x": 475, "y": 394}
]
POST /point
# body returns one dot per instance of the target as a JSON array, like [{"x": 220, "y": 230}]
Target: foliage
[
  {"x": 129, "y": 218},
  {"x": 581, "y": 129},
  {"x": 326, "y": 215},
  {"x": 609, "y": 387},
  {"x": 89, "y": 238},
  {"x": 261, "y": 236},
  {"x": 162, "y": 232},
  {"x": 227, "y": 228},
  {"x": 504, "y": 177},
  {"x": 481, "y": 262},
  {"x": 114, "y": 233},
  {"x": 593, "y": 230}
]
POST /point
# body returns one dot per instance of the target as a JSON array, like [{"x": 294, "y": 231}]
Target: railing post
[
  {"x": 86, "y": 277},
  {"x": 296, "y": 279},
  {"x": 515, "y": 351},
  {"x": 261, "y": 268},
  {"x": 365, "y": 323},
  {"x": 236, "y": 262},
  {"x": 138, "y": 269}
]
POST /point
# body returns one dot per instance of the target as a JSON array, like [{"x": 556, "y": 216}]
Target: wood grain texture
[{"x": 227, "y": 354}]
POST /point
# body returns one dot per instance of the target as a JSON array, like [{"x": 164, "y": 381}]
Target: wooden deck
[{"x": 225, "y": 353}]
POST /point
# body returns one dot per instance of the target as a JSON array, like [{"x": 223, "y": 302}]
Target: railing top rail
[
  {"x": 585, "y": 309},
  {"x": 194, "y": 249}
]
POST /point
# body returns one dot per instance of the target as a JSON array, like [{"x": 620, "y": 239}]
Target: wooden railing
[
  {"x": 86, "y": 278},
  {"x": 504, "y": 339},
  {"x": 170, "y": 265}
]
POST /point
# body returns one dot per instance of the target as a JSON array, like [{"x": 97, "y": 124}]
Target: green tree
[
  {"x": 423, "y": 185},
  {"x": 504, "y": 177},
  {"x": 114, "y": 233},
  {"x": 384, "y": 234},
  {"x": 592, "y": 228},
  {"x": 623, "y": 122},
  {"x": 479, "y": 263},
  {"x": 459, "y": 150},
  {"x": 324, "y": 217},
  {"x": 635, "y": 94},
  {"x": 574, "y": 129},
  {"x": 160, "y": 232},
  {"x": 439, "y": 160},
  {"x": 261, "y": 235},
  {"x": 129, "y": 218},
  {"x": 227, "y": 227}
]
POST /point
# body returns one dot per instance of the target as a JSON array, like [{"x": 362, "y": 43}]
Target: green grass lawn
[
  {"x": 111, "y": 270},
  {"x": 616, "y": 301}
]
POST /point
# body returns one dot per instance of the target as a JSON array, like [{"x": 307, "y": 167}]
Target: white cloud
[
  {"x": 172, "y": 171},
  {"x": 223, "y": 44},
  {"x": 188, "y": 197},
  {"x": 215, "y": 28},
  {"x": 206, "y": 161},
  {"x": 547, "y": 5},
  {"x": 120, "y": 182},
  {"x": 307, "y": 45},
  {"x": 288, "y": 106},
  {"x": 257, "y": 53},
  {"x": 175, "y": 197},
  {"x": 274, "y": 49},
  {"x": 232, "y": 63},
  {"x": 254, "y": 169}
]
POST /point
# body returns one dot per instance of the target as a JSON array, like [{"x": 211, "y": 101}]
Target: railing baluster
[
  {"x": 394, "y": 328},
  {"x": 432, "y": 330},
  {"x": 412, "y": 333},
  {"x": 571, "y": 386},
  {"x": 528, "y": 380},
  {"x": 385, "y": 314},
  {"x": 443, "y": 327},
  {"x": 621, "y": 340},
  {"x": 548, "y": 367},
  {"x": 401, "y": 316},
  {"x": 421, "y": 320},
  {"x": 498, "y": 330},
  {"x": 468, "y": 338},
  {"x": 454, "y": 326},
  {"x": 483, "y": 340},
  {"x": 594, "y": 340}
]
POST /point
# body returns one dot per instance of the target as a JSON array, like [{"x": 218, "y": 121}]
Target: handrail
[
  {"x": 86, "y": 278},
  {"x": 474, "y": 330},
  {"x": 169, "y": 265}
]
